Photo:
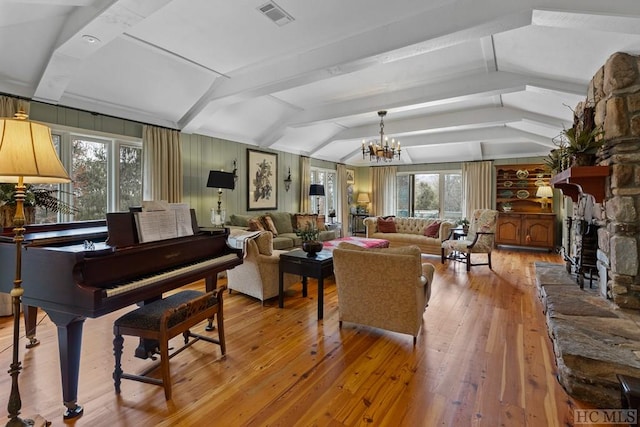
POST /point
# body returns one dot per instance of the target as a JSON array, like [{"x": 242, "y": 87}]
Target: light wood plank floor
[{"x": 483, "y": 358}]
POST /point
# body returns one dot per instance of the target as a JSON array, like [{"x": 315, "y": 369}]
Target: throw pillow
[
  {"x": 255, "y": 225},
  {"x": 386, "y": 225},
  {"x": 269, "y": 225},
  {"x": 265, "y": 243},
  {"x": 432, "y": 229},
  {"x": 282, "y": 221},
  {"x": 304, "y": 220}
]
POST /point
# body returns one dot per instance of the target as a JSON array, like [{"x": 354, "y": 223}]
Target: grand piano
[{"x": 78, "y": 270}]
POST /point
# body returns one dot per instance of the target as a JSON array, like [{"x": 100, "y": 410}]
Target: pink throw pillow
[
  {"x": 386, "y": 225},
  {"x": 432, "y": 230}
]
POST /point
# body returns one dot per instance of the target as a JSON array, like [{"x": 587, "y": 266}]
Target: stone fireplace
[
  {"x": 596, "y": 332},
  {"x": 615, "y": 90}
]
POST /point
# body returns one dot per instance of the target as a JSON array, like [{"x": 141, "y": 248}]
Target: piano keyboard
[{"x": 170, "y": 274}]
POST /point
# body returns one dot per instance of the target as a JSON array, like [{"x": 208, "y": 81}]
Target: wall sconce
[{"x": 287, "y": 181}]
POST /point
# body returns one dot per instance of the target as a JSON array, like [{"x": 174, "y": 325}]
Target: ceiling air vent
[{"x": 275, "y": 13}]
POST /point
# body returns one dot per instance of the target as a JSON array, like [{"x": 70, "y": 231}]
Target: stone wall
[{"x": 615, "y": 91}]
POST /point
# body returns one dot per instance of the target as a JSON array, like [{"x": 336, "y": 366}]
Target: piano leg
[
  {"x": 30, "y": 320},
  {"x": 211, "y": 283},
  {"x": 70, "y": 346}
]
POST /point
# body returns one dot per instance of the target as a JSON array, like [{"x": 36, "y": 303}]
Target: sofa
[
  {"x": 383, "y": 288},
  {"x": 283, "y": 226},
  {"x": 426, "y": 233}
]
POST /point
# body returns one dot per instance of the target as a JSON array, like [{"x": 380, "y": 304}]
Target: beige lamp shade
[
  {"x": 544, "y": 191},
  {"x": 363, "y": 198},
  {"x": 27, "y": 151}
]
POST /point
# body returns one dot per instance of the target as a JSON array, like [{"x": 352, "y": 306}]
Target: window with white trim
[{"x": 429, "y": 194}]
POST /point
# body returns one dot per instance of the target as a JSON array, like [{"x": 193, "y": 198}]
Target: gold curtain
[
  {"x": 305, "y": 182},
  {"x": 383, "y": 190},
  {"x": 162, "y": 164},
  {"x": 342, "y": 211},
  {"x": 10, "y": 105},
  {"x": 476, "y": 187}
]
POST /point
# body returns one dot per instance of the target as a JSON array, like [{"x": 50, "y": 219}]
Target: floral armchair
[
  {"x": 387, "y": 288},
  {"x": 479, "y": 239}
]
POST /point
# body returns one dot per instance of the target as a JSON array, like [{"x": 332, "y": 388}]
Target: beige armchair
[
  {"x": 258, "y": 275},
  {"x": 386, "y": 288}
]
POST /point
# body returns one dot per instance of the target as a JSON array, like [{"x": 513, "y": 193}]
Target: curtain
[
  {"x": 383, "y": 190},
  {"x": 9, "y": 106},
  {"x": 476, "y": 187},
  {"x": 342, "y": 211},
  {"x": 305, "y": 183},
  {"x": 161, "y": 164}
]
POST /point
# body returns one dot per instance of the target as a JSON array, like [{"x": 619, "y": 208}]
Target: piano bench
[{"x": 162, "y": 320}]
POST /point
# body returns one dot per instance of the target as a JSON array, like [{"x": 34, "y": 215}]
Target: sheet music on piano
[{"x": 162, "y": 220}]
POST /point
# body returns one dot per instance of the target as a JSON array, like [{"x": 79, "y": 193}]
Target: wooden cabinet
[{"x": 526, "y": 229}]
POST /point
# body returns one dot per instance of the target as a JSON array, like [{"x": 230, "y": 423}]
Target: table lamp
[
  {"x": 220, "y": 180},
  {"x": 317, "y": 190},
  {"x": 363, "y": 199},
  {"x": 27, "y": 156},
  {"x": 544, "y": 192}
]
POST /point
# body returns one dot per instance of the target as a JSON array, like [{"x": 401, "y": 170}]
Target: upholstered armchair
[
  {"x": 258, "y": 275},
  {"x": 479, "y": 239},
  {"x": 387, "y": 288}
]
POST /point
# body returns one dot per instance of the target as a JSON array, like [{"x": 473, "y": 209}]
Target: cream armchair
[
  {"x": 258, "y": 275},
  {"x": 384, "y": 288}
]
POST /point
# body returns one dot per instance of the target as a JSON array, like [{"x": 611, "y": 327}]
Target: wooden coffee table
[{"x": 318, "y": 267}]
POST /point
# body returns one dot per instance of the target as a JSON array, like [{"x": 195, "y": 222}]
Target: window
[
  {"x": 106, "y": 174},
  {"x": 327, "y": 203},
  {"x": 429, "y": 195}
]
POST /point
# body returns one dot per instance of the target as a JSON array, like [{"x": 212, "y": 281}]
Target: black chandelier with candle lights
[{"x": 381, "y": 150}]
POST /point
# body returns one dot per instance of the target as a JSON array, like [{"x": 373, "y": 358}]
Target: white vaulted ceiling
[{"x": 462, "y": 80}]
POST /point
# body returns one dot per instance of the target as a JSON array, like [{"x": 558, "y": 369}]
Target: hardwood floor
[{"x": 482, "y": 358}]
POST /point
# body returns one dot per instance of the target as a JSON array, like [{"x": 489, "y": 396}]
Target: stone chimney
[{"x": 615, "y": 91}]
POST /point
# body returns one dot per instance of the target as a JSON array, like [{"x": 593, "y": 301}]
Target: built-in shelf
[{"x": 582, "y": 179}]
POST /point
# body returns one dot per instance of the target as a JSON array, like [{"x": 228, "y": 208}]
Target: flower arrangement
[{"x": 310, "y": 232}]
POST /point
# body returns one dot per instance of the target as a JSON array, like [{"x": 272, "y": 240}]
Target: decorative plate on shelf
[
  {"x": 522, "y": 183},
  {"x": 507, "y": 184},
  {"x": 522, "y": 194},
  {"x": 522, "y": 174},
  {"x": 506, "y": 194}
]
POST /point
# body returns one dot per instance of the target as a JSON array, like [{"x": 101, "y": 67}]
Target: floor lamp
[
  {"x": 27, "y": 155},
  {"x": 317, "y": 190},
  {"x": 220, "y": 180}
]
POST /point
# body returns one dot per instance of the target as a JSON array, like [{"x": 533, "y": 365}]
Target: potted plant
[
  {"x": 506, "y": 207},
  {"x": 464, "y": 223},
  {"x": 309, "y": 236},
  {"x": 34, "y": 197},
  {"x": 582, "y": 145}
]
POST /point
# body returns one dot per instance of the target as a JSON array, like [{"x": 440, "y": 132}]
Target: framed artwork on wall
[
  {"x": 351, "y": 176},
  {"x": 262, "y": 180}
]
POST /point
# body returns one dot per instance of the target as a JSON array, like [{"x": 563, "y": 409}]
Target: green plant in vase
[{"x": 309, "y": 235}]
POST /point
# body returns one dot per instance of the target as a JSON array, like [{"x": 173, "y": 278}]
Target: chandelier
[{"x": 381, "y": 150}]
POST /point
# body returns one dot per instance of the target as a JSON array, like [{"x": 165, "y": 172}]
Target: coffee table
[{"x": 318, "y": 267}]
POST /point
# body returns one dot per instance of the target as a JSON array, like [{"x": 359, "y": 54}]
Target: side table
[{"x": 318, "y": 267}]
